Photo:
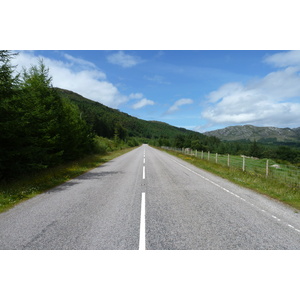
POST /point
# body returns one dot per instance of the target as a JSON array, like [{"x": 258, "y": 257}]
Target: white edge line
[{"x": 224, "y": 189}]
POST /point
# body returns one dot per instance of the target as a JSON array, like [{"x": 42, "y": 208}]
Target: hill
[
  {"x": 270, "y": 135},
  {"x": 105, "y": 121}
]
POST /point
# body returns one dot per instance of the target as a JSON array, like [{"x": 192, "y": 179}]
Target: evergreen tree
[
  {"x": 255, "y": 150},
  {"x": 38, "y": 128},
  {"x": 9, "y": 112}
]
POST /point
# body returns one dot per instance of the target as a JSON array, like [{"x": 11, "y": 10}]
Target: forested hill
[{"x": 105, "y": 121}]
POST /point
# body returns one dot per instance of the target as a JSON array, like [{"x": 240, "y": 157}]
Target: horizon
[{"x": 200, "y": 90}]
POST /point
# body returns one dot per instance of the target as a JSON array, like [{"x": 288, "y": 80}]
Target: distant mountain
[{"x": 260, "y": 134}]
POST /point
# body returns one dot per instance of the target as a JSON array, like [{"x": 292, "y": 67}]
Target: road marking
[
  {"x": 144, "y": 161},
  {"x": 276, "y": 218},
  {"x": 237, "y": 196},
  {"x": 142, "y": 242},
  {"x": 144, "y": 173}
]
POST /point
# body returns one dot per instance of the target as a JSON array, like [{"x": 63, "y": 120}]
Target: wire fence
[{"x": 260, "y": 167}]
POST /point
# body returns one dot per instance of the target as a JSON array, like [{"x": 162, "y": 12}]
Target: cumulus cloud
[
  {"x": 179, "y": 103},
  {"x": 123, "y": 60},
  {"x": 143, "y": 102},
  {"x": 270, "y": 101},
  {"x": 77, "y": 75}
]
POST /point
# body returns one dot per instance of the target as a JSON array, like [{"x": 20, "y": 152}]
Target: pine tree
[
  {"x": 9, "y": 112},
  {"x": 38, "y": 128}
]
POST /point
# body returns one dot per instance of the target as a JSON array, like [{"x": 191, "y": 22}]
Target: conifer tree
[{"x": 9, "y": 111}]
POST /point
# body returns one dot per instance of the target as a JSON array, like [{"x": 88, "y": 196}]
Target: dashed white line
[
  {"x": 144, "y": 173},
  {"x": 142, "y": 241},
  {"x": 276, "y": 218}
]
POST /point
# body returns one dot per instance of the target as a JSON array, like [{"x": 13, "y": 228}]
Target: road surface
[{"x": 147, "y": 199}]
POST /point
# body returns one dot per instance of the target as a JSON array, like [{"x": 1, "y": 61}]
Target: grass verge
[
  {"x": 272, "y": 187},
  {"x": 34, "y": 184}
]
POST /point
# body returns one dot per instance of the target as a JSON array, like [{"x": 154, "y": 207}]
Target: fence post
[
  {"x": 196, "y": 153},
  {"x": 228, "y": 161},
  {"x": 216, "y": 158},
  {"x": 243, "y": 163},
  {"x": 267, "y": 168},
  {"x": 208, "y": 155},
  {"x": 202, "y": 154}
]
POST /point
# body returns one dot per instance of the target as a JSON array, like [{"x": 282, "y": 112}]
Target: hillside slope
[
  {"x": 105, "y": 120},
  {"x": 260, "y": 134}
]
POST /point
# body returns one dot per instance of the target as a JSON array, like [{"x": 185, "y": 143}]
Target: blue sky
[{"x": 198, "y": 90}]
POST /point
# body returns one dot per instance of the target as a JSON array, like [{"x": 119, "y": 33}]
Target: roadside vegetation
[
  {"x": 28, "y": 186},
  {"x": 274, "y": 187}
]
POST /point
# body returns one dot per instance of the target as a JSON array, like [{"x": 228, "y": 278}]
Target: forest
[{"x": 43, "y": 126}]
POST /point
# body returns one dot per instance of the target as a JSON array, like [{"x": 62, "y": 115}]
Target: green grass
[
  {"x": 273, "y": 186},
  {"x": 24, "y": 188}
]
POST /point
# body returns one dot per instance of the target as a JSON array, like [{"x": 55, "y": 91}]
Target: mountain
[
  {"x": 105, "y": 120},
  {"x": 260, "y": 134}
]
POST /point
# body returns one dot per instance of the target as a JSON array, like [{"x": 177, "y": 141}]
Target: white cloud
[
  {"x": 179, "y": 103},
  {"x": 79, "y": 61},
  {"x": 270, "y": 101},
  {"x": 284, "y": 59},
  {"x": 136, "y": 96},
  {"x": 224, "y": 91},
  {"x": 77, "y": 75},
  {"x": 123, "y": 60},
  {"x": 143, "y": 103}
]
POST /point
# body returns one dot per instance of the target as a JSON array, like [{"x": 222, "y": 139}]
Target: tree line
[
  {"x": 39, "y": 128},
  {"x": 283, "y": 153}
]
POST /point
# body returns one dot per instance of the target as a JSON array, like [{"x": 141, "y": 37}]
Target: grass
[
  {"x": 24, "y": 188},
  {"x": 273, "y": 186}
]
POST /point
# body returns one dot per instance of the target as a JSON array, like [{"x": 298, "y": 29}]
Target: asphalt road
[{"x": 147, "y": 199}]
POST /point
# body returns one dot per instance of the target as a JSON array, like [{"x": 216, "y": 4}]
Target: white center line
[
  {"x": 144, "y": 161},
  {"x": 142, "y": 242},
  {"x": 144, "y": 173}
]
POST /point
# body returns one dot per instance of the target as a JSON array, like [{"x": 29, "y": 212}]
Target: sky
[{"x": 200, "y": 90}]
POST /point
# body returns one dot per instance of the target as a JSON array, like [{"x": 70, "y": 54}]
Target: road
[{"x": 149, "y": 200}]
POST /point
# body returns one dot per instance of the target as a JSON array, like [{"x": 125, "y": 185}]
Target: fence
[{"x": 260, "y": 167}]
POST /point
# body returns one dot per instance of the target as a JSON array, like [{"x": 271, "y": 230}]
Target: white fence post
[
  {"x": 208, "y": 155},
  {"x": 228, "y": 160},
  {"x": 267, "y": 168},
  {"x": 243, "y": 163},
  {"x": 202, "y": 154},
  {"x": 216, "y": 158}
]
